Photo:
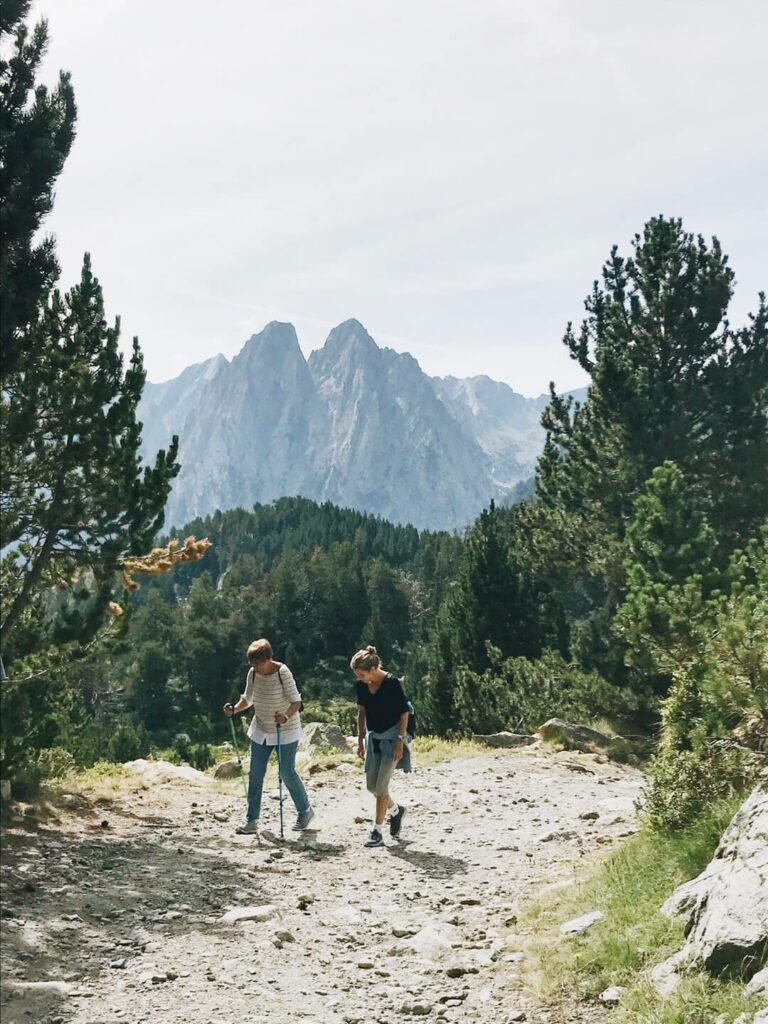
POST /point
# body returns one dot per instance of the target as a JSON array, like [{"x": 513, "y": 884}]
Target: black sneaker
[
  {"x": 375, "y": 838},
  {"x": 396, "y": 821}
]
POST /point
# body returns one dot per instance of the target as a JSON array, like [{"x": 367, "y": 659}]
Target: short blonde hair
[
  {"x": 365, "y": 660},
  {"x": 258, "y": 651}
]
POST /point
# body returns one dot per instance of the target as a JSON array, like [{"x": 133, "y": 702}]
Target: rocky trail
[{"x": 121, "y": 909}]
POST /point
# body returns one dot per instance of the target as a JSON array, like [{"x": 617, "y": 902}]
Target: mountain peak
[
  {"x": 276, "y": 342},
  {"x": 349, "y": 337}
]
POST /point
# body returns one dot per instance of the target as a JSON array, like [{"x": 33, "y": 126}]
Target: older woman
[
  {"x": 270, "y": 690},
  {"x": 382, "y": 737}
]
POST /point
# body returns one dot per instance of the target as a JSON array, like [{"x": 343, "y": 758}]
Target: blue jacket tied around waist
[{"x": 386, "y": 742}]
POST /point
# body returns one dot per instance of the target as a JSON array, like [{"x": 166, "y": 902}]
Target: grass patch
[
  {"x": 428, "y": 750},
  {"x": 629, "y": 887}
]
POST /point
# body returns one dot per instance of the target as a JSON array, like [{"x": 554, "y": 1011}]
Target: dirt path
[{"x": 119, "y": 906}]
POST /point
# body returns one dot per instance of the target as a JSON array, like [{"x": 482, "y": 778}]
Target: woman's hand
[
  {"x": 229, "y": 710},
  {"x": 280, "y": 718},
  {"x": 397, "y": 750}
]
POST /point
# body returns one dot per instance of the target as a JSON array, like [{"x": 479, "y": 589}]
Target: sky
[{"x": 452, "y": 174}]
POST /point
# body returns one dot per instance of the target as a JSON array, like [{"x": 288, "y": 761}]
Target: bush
[
  {"x": 55, "y": 763},
  {"x": 201, "y": 757},
  {"x": 127, "y": 743},
  {"x": 518, "y": 693},
  {"x": 684, "y": 784}
]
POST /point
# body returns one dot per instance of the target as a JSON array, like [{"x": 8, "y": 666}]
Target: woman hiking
[
  {"x": 271, "y": 690},
  {"x": 382, "y": 737}
]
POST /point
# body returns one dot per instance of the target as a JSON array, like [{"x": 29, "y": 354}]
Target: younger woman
[
  {"x": 382, "y": 737},
  {"x": 271, "y": 690}
]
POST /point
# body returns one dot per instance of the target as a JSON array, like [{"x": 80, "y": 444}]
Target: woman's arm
[
  {"x": 281, "y": 717},
  {"x": 230, "y": 709},
  {"x": 360, "y": 730}
]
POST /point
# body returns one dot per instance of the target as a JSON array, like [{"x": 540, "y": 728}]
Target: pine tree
[
  {"x": 37, "y": 127},
  {"x": 670, "y": 381},
  {"x": 75, "y": 498}
]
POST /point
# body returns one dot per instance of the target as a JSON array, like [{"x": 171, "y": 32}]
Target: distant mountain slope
[{"x": 356, "y": 424}]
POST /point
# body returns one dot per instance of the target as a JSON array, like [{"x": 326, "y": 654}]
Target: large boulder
[
  {"x": 573, "y": 737},
  {"x": 726, "y": 906},
  {"x": 504, "y": 740},
  {"x": 323, "y": 736}
]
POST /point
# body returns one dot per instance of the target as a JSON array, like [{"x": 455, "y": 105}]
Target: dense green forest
[{"x": 631, "y": 582}]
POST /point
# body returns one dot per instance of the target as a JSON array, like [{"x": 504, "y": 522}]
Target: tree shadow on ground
[{"x": 77, "y": 902}]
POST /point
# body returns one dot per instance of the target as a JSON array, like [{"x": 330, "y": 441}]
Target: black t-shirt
[{"x": 383, "y": 708}]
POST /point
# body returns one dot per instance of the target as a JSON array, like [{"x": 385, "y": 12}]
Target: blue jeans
[{"x": 260, "y": 754}]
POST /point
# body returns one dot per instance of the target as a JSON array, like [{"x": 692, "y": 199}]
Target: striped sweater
[{"x": 266, "y": 695}]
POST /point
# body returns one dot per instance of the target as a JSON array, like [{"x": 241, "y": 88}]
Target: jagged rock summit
[{"x": 355, "y": 424}]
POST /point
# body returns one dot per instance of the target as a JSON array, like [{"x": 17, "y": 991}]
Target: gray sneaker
[
  {"x": 248, "y": 828},
  {"x": 303, "y": 820}
]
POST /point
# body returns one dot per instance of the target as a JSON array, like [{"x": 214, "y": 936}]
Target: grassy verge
[{"x": 629, "y": 888}]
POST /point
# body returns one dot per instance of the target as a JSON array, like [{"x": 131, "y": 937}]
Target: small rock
[
  {"x": 665, "y": 977},
  {"x": 416, "y": 1009},
  {"x": 758, "y": 986},
  {"x": 365, "y": 965},
  {"x": 259, "y": 914},
  {"x": 227, "y": 770},
  {"x": 285, "y": 936},
  {"x": 580, "y": 924},
  {"x": 547, "y": 837},
  {"x": 612, "y": 995},
  {"x": 403, "y": 933},
  {"x": 459, "y": 970},
  {"x": 516, "y": 1016},
  {"x": 220, "y": 816},
  {"x": 590, "y": 815},
  {"x": 117, "y": 965}
]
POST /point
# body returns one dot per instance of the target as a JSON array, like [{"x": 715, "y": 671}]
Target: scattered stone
[
  {"x": 431, "y": 942},
  {"x": 285, "y": 936},
  {"x": 416, "y": 1009},
  {"x": 612, "y": 995},
  {"x": 258, "y": 914},
  {"x": 590, "y": 815},
  {"x": 581, "y": 924},
  {"x": 365, "y": 965},
  {"x": 516, "y": 1016},
  {"x": 547, "y": 837},
  {"x": 403, "y": 933},
  {"x": 118, "y": 965},
  {"x": 504, "y": 740},
  {"x": 459, "y": 970},
  {"x": 305, "y": 900}
]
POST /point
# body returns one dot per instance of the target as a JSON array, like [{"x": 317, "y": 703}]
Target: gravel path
[{"x": 113, "y": 911}]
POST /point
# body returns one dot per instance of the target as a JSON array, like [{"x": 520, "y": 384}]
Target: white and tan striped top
[{"x": 266, "y": 695}]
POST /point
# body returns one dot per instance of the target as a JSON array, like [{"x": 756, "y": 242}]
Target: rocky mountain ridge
[{"x": 355, "y": 424}]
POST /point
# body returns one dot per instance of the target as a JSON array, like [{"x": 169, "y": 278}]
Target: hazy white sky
[{"x": 451, "y": 173}]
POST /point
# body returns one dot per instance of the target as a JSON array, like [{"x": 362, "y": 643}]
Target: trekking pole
[
  {"x": 280, "y": 780},
  {"x": 237, "y": 749}
]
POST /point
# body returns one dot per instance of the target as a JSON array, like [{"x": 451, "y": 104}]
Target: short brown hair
[
  {"x": 259, "y": 650},
  {"x": 365, "y": 660}
]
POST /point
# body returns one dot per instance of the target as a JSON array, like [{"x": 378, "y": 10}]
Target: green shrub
[
  {"x": 55, "y": 763},
  {"x": 684, "y": 784},
  {"x": 201, "y": 756},
  {"x": 128, "y": 742}
]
